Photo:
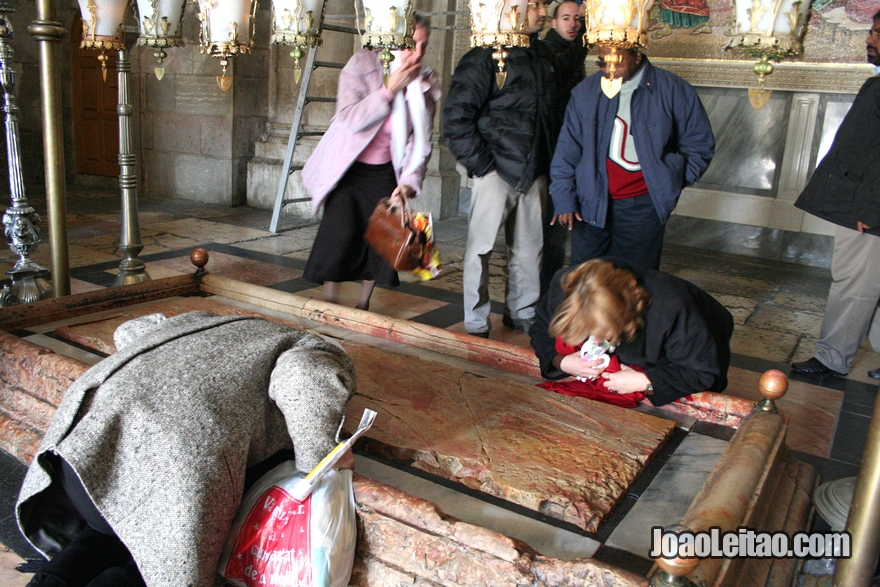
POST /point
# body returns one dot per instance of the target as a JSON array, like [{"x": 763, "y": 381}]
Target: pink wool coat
[{"x": 362, "y": 105}]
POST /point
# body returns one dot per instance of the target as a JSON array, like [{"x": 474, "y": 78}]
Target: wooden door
[{"x": 95, "y": 121}]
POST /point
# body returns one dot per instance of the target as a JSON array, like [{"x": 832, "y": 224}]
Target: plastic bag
[
  {"x": 429, "y": 267},
  {"x": 277, "y": 541}
]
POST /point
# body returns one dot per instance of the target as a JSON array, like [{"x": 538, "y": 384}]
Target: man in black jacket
[
  {"x": 504, "y": 138},
  {"x": 565, "y": 39},
  {"x": 844, "y": 190}
]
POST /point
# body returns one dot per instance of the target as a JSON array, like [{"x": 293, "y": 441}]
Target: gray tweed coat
[{"x": 161, "y": 433}]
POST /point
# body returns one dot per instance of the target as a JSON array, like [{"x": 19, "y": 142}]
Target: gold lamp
[
  {"x": 159, "y": 25},
  {"x": 227, "y": 29},
  {"x": 297, "y": 23},
  {"x": 102, "y": 27},
  {"x": 619, "y": 25},
  {"x": 499, "y": 25},
  {"x": 769, "y": 30},
  {"x": 388, "y": 26}
]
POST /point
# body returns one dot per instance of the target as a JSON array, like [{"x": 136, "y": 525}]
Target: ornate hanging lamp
[
  {"x": 159, "y": 25},
  {"x": 619, "y": 25},
  {"x": 499, "y": 26},
  {"x": 388, "y": 26},
  {"x": 297, "y": 23},
  {"x": 769, "y": 30},
  {"x": 102, "y": 27},
  {"x": 227, "y": 29}
]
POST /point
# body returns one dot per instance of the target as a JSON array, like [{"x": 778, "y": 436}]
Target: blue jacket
[{"x": 672, "y": 135}]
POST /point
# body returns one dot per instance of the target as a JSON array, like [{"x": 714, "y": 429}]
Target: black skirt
[{"x": 339, "y": 252}]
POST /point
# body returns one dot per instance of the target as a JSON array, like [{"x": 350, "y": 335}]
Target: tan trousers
[
  {"x": 851, "y": 311},
  {"x": 495, "y": 204}
]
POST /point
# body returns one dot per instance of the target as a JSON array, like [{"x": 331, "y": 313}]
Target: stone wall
[
  {"x": 33, "y": 380},
  {"x": 30, "y": 123},
  {"x": 195, "y": 139}
]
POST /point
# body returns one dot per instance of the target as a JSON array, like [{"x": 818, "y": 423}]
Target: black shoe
[
  {"x": 814, "y": 366},
  {"x": 480, "y": 334},
  {"x": 523, "y": 324},
  {"x": 874, "y": 373}
]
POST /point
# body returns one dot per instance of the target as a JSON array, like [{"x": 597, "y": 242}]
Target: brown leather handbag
[{"x": 393, "y": 238}]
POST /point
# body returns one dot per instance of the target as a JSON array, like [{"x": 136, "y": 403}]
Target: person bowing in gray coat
[{"x": 142, "y": 469}]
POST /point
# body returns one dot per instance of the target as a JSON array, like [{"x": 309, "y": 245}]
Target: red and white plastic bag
[{"x": 278, "y": 540}]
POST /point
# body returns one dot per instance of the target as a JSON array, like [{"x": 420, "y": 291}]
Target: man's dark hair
[
  {"x": 561, "y": 3},
  {"x": 422, "y": 20},
  {"x": 877, "y": 16}
]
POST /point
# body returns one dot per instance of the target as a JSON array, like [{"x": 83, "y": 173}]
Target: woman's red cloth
[{"x": 594, "y": 390}]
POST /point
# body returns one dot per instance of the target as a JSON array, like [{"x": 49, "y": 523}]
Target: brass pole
[
  {"x": 48, "y": 34},
  {"x": 132, "y": 269},
  {"x": 863, "y": 522}
]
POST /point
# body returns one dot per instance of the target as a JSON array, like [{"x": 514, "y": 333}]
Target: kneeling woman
[{"x": 671, "y": 337}]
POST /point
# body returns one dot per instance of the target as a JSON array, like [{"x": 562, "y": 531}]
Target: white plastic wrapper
[{"x": 278, "y": 541}]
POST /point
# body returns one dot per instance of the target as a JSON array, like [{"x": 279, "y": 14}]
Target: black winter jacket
[
  {"x": 569, "y": 59},
  {"x": 684, "y": 346},
  {"x": 845, "y": 189},
  {"x": 511, "y": 130}
]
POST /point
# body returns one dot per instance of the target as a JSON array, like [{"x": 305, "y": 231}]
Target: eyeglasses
[{"x": 600, "y": 63}]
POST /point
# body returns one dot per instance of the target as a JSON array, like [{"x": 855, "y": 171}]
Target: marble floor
[{"x": 777, "y": 304}]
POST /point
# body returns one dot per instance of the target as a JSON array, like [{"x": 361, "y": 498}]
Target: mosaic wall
[{"x": 700, "y": 29}]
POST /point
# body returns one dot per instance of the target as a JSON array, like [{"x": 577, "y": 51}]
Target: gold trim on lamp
[
  {"x": 92, "y": 40},
  {"x": 492, "y": 28},
  {"x": 157, "y": 31},
  {"x": 300, "y": 29},
  {"x": 224, "y": 50},
  {"x": 619, "y": 25},
  {"x": 768, "y": 37}
]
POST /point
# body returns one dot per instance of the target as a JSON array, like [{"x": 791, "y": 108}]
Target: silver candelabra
[{"x": 30, "y": 281}]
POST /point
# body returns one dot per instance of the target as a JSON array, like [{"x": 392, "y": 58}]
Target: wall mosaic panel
[{"x": 689, "y": 38}]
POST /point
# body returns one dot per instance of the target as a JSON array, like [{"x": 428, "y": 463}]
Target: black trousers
[
  {"x": 91, "y": 559},
  {"x": 95, "y": 557}
]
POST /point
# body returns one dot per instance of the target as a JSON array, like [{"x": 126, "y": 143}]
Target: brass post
[
  {"x": 131, "y": 269},
  {"x": 48, "y": 34},
  {"x": 863, "y": 522}
]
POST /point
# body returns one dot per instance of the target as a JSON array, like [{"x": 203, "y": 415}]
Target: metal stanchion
[
  {"x": 132, "y": 269},
  {"x": 21, "y": 222},
  {"x": 48, "y": 34}
]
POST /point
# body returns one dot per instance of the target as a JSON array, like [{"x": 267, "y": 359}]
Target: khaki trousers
[
  {"x": 851, "y": 311},
  {"x": 495, "y": 204}
]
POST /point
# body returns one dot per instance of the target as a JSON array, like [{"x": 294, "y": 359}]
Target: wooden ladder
[{"x": 296, "y": 130}]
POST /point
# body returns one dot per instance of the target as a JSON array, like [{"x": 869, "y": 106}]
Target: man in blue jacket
[{"x": 621, "y": 162}]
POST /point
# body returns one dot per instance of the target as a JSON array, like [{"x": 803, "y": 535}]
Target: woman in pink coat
[{"x": 378, "y": 145}]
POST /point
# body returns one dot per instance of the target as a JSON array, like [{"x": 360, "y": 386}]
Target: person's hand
[
  {"x": 409, "y": 70},
  {"x": 577, "y": 366},
  {"x": 401, "y": 194},
  {"x": 346, "y": 461},
  {"x": 627, "y": 380},
  {"x": 566, "y": 220},
  {"x": 862, "y": 227}
]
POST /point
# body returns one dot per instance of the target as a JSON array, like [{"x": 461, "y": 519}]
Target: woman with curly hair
[{"x": 671, "y": 338}]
